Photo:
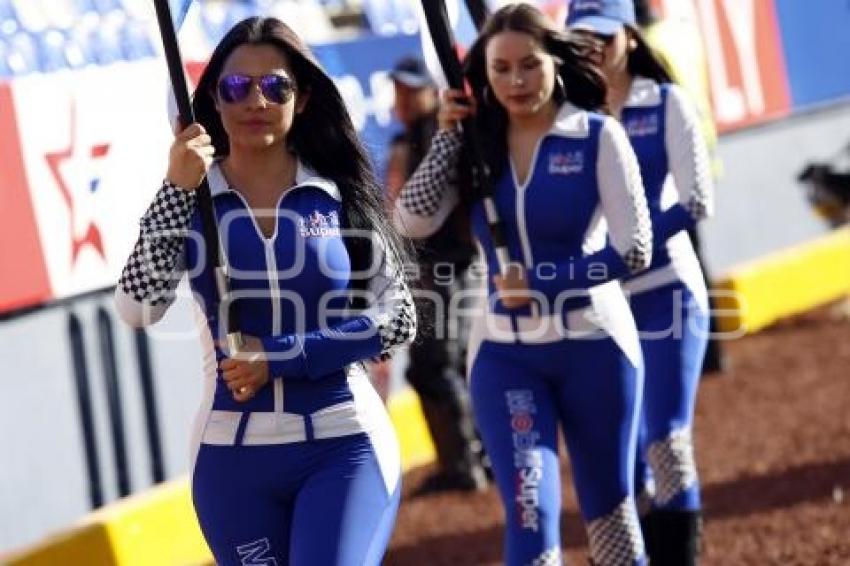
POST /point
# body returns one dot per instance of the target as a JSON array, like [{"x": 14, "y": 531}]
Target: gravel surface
[{"x": 773, "y": 450}]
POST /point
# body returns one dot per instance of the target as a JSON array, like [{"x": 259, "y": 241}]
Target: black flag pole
[
  {"x": 208, "y": 223},
  {"x": 441, "y": 35},
  {"x": 479, "y": 11}
]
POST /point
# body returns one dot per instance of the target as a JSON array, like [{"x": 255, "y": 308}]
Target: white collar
[
  {"x": 643, "y": 93},
  {"x": 571, "y": 122},
  {"x": 303, "y": 176}
]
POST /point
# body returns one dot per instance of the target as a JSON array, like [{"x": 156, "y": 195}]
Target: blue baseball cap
[
  {"x": 604, "y": 17},
  {"x": 413, "y": 72}
]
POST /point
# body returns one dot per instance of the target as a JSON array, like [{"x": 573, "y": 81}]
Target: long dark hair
[
  {"x": 584, "y": 84},
  {"x": 644, "y": 61},
  {"x": 645, "y": 14},
  {"x": 322, "y": 135}
]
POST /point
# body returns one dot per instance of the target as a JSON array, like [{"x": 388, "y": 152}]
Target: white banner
[{"x": 94, "y": 145}]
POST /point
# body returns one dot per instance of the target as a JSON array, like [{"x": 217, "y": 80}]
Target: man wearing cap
[{"x": 436, "y": 369}]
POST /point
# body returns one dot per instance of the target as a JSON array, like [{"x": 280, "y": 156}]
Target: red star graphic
[{"x": 92, "y": 236}]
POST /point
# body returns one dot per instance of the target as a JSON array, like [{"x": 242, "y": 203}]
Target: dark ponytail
[{"x": 644, "y": 61}]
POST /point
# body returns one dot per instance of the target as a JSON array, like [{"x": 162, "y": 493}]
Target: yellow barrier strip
[
  {"x": 795, "y": 280},
  {"x": 154, "y": 527},
  {"x": 158, "y": 527},
  {"x": 413, "y": 436}
]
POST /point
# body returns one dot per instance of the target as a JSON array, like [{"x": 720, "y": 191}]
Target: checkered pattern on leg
[
  {"x": 423, "y": 192},
  {"x": 154, "y": 266},
  {"x": 646, "y": 497},
  {"x": 615, "y": 539},
  {"x": 673, "y": 465},
  {"x": 550, "y": 557}
]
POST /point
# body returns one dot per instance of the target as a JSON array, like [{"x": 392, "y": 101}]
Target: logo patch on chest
[
  {"x": 319, "y": 225},
  {"x": 643, "y": 126},
  {"x": 586, "y": 5},
  {"x": 566, "y": 163}
]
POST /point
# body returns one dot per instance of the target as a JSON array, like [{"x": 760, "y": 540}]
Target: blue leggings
[
  {"x": 520, "y": 394},
  {"x": 302, "y": 504},
  {"x": 674, "y": 334}
]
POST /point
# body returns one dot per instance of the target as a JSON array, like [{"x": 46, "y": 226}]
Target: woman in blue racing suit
[
  {"x": 555, "y": 345},
  {"x": 669, "y": 300},
  {"x": 295, "y": 460}
]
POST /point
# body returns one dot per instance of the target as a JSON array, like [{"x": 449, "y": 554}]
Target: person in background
[
  {"x": 669, "y": 300},
  {"x": 683, "y": 55},
  {"x": 554, "y": 349},
  {"x": 436, "y": 368},
  {"x": 828, "y": 188}
]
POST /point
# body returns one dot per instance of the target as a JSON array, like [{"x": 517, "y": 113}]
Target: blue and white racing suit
[
  {"x": 572, "y": 357},
  {"x": 669, "y": 300},
  {"x": 307, "y": 471}
]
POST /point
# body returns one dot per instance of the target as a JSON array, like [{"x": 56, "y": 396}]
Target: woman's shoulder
[
  {"x": 649, "y": 92},
  {"x": 676, "y": 96},
  {"x": 572, "y": 121},
  {"x": 646, "y": 93},
  {"x": 305, "y": 176}
]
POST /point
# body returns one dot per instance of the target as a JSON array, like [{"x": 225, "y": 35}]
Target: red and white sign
[
  {"x": 23, "y": 274},
  {"x": 91, "y": 148},
  {"x": 743, "y": 52}
]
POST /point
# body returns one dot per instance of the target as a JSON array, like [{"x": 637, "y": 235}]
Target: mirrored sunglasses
[{"x": 275, "y": 88}]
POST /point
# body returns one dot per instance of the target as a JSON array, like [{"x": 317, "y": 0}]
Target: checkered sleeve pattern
[
  {"x": 639, "y": 256},
  {"x": 688, "y": 157},
  {"x": 698, "y": 201},
  {"x": 392, "y": 307},
  {"x": 615, "y": 539},
  {"x": 551, "y": 557},
  {"x": 623, "y": 198},
  {"x": 424, "y": 191},
  {"x": 154, "y": 267}
]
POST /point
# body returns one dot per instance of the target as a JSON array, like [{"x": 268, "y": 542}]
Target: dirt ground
[{"x": 773, "y": 450}]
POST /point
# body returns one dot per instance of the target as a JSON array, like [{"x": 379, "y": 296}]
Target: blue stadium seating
[
  {"x": 79, "y": 38},
  {"x": 8, "y": 18},
  {"x": 389, "y": 17},
  {"x": 5, "y": 69},
  {"x": 23, "y": 57},
  {"x": 84, "y": 6},
  {"x": 136, "y": 41},
  {"x": 215, "y": 23},
  {"x": 106, "y": 46},
  {"x": 51, "y": 51},
  {"x": 106, "y": 6},
  {"x": 96, "y": 37}
]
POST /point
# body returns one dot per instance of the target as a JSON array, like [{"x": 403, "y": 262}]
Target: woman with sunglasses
[
  {"x": 296, "y": 461},
  {"x": 555, "y": 345},
  {"x": 669, "y": 300}
]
